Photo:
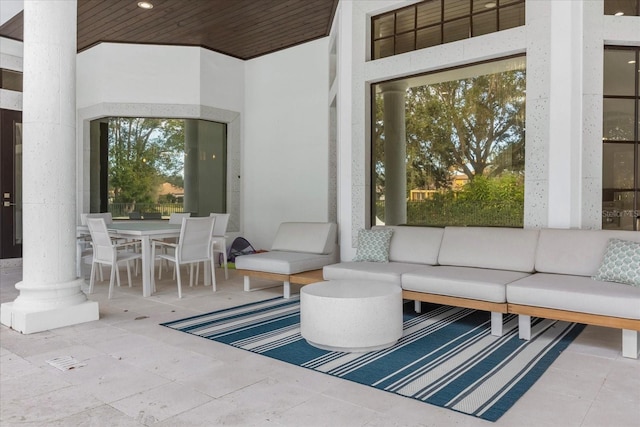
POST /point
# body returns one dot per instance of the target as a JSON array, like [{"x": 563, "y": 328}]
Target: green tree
[
  {"x": 473, "y": 125},
  {"x": 142, "y": 153}
]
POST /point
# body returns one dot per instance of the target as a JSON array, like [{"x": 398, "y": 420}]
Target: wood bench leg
[
  {"x": 286, "y": 290},
  {"x": 630, "y": 343},
  {"x": 524, "y": 327},
  {"x": 417, "y": 306},
  {"x": 496, "y": 324}
]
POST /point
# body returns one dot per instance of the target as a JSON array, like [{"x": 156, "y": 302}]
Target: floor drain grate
[{"x": 65, "y": 363}]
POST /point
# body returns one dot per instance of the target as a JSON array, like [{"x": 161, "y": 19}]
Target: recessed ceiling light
[
  {"x": 145, "y": 5},
  {"x": 490, "y": 5},
  {"x": 619, "y": 13},
  {"x": 632, "y": 61}
]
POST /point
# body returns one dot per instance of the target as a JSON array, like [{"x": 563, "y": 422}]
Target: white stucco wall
[
  {"x": 129, "y": 73},
  {"x": 285, "y": 154}
]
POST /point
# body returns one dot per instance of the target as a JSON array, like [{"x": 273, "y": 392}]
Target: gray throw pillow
[
  {"x": 373, "y": 245},
  {"x": 621, "y": 263}
]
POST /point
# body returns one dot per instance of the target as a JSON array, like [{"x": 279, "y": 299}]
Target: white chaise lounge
[{"x": 297, "y": 247}]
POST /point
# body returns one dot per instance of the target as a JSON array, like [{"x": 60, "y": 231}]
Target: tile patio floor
[{"x": 139, "y": 373}]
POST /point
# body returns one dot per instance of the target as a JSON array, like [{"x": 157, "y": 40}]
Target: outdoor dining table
[{"x": 145, "y": 232}]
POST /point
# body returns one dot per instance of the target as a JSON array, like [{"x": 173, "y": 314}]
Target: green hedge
[{"x": 483, "y": 202}]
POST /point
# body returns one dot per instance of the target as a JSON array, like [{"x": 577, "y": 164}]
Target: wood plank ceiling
[{"x": 243, "y": 29}]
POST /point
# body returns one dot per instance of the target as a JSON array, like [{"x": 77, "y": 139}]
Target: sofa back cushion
[
  {"x": 489, "y": 247},
  {"x": 307, "y": 237},
  {"x": 418, "y": 245},
  {"x": 576, "y": 252}
]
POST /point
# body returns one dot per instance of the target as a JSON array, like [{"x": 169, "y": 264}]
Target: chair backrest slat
[
  {"x": 195, "y": 239},
  {"x": 108, "y": 218},
  {"x": 102, "y": 246},
  {"x": 176, "y": 217},
  {"x": 220, "y": 226}
]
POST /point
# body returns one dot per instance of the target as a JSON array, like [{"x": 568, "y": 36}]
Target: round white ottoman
[{"x": 351, "y": 315}]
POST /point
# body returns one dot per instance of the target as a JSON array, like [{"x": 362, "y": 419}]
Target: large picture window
[
  {"x": 620, "y": 145},
  {"x": 448, "y": 147},
  {"x": 153, "y": 167}
]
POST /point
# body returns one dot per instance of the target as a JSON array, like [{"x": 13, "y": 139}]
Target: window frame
[
  {"x": 500, "y": 7},
  {"x": 635, "y": 98}
]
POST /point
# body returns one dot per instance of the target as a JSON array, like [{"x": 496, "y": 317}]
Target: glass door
[{"x": 10, "y": 184}]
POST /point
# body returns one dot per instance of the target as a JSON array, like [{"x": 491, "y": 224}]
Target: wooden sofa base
[
  {"x": 496, "y": 309},
  {"x": 573, "y": 316},
  {"x": 303, "y": 278},
  {"x": 455, "y": 301},
  {"x": 630, "y": 327}
]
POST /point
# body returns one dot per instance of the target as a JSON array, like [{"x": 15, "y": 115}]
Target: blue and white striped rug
[{"x": 446, "y": 356}]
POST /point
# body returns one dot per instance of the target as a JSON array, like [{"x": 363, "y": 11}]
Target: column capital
[{"x": 395, "y": 86}]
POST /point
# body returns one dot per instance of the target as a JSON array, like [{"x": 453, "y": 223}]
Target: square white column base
[{"x": 29, "y": 321}]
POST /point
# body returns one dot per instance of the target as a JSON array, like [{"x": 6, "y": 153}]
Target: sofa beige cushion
[
  {"x": 283, "y": 262},
  {"x": 388, "y": 272},
  {"x": 576, "y": 252},
  {"x": 576, "y": 293},
  {"x": 464, "y": 282},
  {"x": 309, "y": 237},
  {"x": 489, "y": 247},
  {"x": 414, "y": 244}
]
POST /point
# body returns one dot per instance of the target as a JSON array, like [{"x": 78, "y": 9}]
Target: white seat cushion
[
  {"x": 283, "y": 262},
  {"x": 414, "y": 244},
  {"x": 388, "y": 272},
  {"x": 576, "y": 293},
  {"x": 464, "y": 282}
]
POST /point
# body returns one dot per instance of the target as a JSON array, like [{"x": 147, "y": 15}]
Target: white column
[
  {"x": 565, "y": 119},
  {"x": 191, "y": 194},
  {"x": 395, "y": 153},
  {"x": 50, "y": 293}
]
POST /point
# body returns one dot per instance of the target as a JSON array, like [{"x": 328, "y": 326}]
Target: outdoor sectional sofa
[{"x": 544, "y": 273}]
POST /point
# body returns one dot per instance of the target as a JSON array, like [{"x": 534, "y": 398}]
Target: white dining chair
[
  {"x": 106, "y": 252},
  {"x": 219, "y": 240},
  {"x": 176, "y": 217},
  {"x": 193, "y": 246},
  {"x": 84, "y": 250},
  {"x": 84, "y": 254},
  {"x": 108, "y": 218}
]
